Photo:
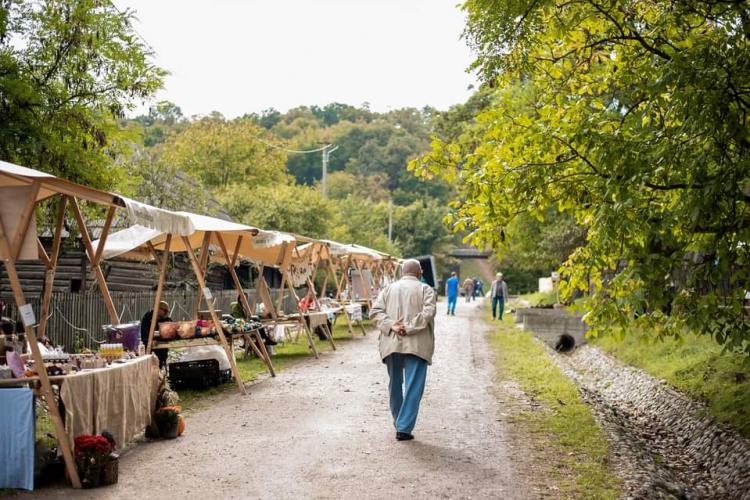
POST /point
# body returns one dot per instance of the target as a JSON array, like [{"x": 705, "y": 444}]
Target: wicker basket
[{"x": 110, "y": 471}]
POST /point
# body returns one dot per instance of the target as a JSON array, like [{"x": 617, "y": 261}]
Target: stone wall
[{"x": 559, "y": 328}]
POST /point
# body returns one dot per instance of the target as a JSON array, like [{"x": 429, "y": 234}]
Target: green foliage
[
  {"x": 545, "y": 243},
  {"x": 565, "y": 424},
  {"x": 163, "y": 119},
  {"x": 221, "y": 152},
  {"x": 67, "y": 71},
  {"x": 541, "y": 299},
  {"x": 284, "y": 207},
  {"x": 361, "y": 221},
  {"x": 631, "y": 116},
  {"x": 162, "y": 185},
  {"x": 695, "y": 365},
  {"x": 418, "y": 230}
]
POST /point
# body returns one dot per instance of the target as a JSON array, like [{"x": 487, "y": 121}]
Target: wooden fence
[{"x": 76, "y": 319}]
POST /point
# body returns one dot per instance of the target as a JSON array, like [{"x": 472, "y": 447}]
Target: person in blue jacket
[{"x": 451, "y": 291}]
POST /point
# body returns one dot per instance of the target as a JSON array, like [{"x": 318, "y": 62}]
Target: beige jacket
[{"x": 413, "y": 302}]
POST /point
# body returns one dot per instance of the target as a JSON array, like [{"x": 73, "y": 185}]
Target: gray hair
[{"x": 411, "y": 266}]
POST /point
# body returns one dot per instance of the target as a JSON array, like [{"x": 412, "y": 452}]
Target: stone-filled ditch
[{"x": 664, "y": 444}]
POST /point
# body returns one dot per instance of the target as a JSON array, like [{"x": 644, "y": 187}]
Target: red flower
[{"x": 95, "y": 446}]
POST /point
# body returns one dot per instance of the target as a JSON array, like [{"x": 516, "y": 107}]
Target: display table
[
  {"x": 120, "y": 398},
  {"x": 315, "y": 319}
]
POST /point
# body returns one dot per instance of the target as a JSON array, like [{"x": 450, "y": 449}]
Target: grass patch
[
  {"x": 287, "y": 354},
  {"x": 572, "y": 438},
  {"x": 540, "y": 299},
  {"x": 694, "y": 365}
]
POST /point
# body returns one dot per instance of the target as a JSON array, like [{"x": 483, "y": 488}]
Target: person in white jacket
[{"x": 404, "y": 313}]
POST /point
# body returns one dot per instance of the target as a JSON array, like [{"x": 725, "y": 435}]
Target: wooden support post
[
  {"x": 280, "y": 301},
  {"x": 260, "y": 349},
  {"x": 265, "y": 296},
  {"x": 42, "y": 253},
  {"x": 328, "y": 331},
  {"x": 203, "y": 267},
  {"x": 101, "y": 281},
  {"x": 105, "y": 234},
  {"x": 217, "y": 322},
  {"x": 15, "y": 284},
  {"x": 49, "y": 275},
  {"x": 308, "y": 331},
  {"x": 159, "y": 291}
]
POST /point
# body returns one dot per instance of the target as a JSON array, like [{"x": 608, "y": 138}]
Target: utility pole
[
  {"x": 390, "y": 219},
  {"x": 327, "y": 150}
]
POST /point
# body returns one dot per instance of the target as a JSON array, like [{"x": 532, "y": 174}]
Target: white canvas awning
[
  {"x": 263, "y": 247},
  {"x": 49, "y": 185},
  {"x": 355, "y": 251}
]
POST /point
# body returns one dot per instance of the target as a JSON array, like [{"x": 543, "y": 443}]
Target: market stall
[
  {"x": 211, "y": 238},
  {"x": 21, "y": 191},
  {"x": 351, "y": 270}
]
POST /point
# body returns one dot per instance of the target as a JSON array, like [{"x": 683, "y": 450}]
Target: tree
[
  {"x": 416, "y": 231},
  {"x": 283, "y": 207},
  {"x": 362, "y": 222},
  {"x": 220, "y": 152},
  {"x": 67, "y": 71},
  {"x": 162, "y": 185},
  {"x": 372, "y": 187},
  {"x": 162, "y": 119},
  {"x": 632, "y": 116}
]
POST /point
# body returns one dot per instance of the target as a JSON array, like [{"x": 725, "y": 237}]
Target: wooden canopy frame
[
  {"x": 200, "y": 268},
  {"x": 264, "y": 294},
  {"x": 42, "y": 187}
]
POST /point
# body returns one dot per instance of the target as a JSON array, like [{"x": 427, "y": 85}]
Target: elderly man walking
[
  {"x": 404, "y": 313},
  {"x": 499, "y": 294}
]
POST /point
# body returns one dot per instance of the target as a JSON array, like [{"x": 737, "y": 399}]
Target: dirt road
[{"x": 322, "y": 429}]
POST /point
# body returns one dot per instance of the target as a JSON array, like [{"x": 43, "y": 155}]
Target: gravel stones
[{"x": 664, "y": 444}]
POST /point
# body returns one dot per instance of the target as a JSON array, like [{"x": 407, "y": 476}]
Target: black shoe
[{"x": 404, "y": 436}]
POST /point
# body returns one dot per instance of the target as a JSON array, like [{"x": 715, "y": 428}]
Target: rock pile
[{"x": 664, "y": 443}]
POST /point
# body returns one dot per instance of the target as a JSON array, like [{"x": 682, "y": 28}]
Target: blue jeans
[
  {"x": 498, "y": 301},
  {"x": 407, "y": 373},
  {"x": 452, "y": 299}
]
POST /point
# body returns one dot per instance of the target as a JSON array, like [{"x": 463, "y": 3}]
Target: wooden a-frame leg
[
  {"x": 62, "y": 438},
  {"x": 159, "y": 291},
  {"x": 261, "y": 350},
  {"x": 215, "y": 317},
  {"x": 49, "y": 277}
]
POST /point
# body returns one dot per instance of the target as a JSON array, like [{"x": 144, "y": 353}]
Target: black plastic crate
[{"x": 200, "y": 374}]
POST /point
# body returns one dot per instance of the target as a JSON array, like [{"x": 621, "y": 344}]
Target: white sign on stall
[
  {"x": 27, "y": 315},
  {"x": 354, "y": 311}
]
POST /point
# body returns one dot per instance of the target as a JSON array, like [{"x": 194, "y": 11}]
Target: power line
[{"x": 296, "y": 151}]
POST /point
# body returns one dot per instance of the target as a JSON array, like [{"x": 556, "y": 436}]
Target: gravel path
[{"x": 322, "y": 429}]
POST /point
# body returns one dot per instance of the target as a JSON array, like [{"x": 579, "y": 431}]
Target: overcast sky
[{"x": 239, "y": 56}]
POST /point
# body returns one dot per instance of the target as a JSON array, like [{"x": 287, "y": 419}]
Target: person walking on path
[
  {"x": 478, "y": 286},
  {"x": 404, "y": 313},
  {"x": 468, "y": 288},
  {"x": 451, "y": 291},
  {"x": 499, "y": 294}
]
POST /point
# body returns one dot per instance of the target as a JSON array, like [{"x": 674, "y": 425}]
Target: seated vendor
[
  {"x": 307, "y": 302},
  {"x": 161, "y": 317}
]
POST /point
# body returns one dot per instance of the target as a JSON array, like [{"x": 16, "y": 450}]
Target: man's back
[
  {"x": 452, "y": 284},
  {"x": 413, "y": 303}
]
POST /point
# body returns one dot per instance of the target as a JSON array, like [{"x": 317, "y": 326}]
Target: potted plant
[
  {"x": 167, "y": 420},
  {"x": 91, "y": 454}
]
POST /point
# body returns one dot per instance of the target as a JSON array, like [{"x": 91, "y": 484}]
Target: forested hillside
[{"x": 253, "y": 169}]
